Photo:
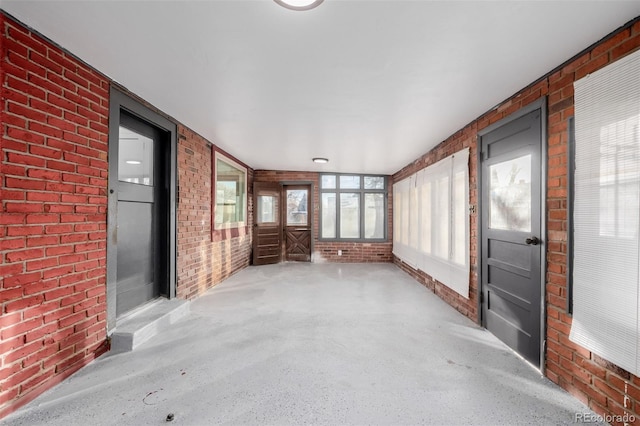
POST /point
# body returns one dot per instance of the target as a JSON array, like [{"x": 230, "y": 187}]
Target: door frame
[
  {"x": 283, "y": 216},
  {"x": 312, "y": 207},
  {"x": 118, "y": 101},
  {"x": 540, "y": 104}
]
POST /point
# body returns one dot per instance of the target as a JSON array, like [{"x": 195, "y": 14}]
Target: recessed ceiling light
[
  {"x": 133, "y": 162},
  {"x": 320, "y": 160},
  {"x": 299, "y": 4}
]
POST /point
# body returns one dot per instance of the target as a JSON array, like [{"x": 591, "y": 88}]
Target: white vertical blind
[
  {"x": 606, "y": 213},
  {"x": 431, "y": 217}
]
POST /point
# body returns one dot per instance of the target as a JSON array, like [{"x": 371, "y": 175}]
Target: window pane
[
  {"x": 374, "y": 215},
  {"x": 267, "y": 209},
  {"x": 425, "y": 218},
  {"x": 404, "y": 218},
  {"x": 397, "y": 206},
  {"x": 510, "y": 192},
  {"x": 618, "y": 181},
  {"x": 135, "y": 157},
  {"x": 459, "y": 216},
  {"x": 607, "y": 211},
  {"x": 441, "y": 242},
  {"x": 328, "y": 215},
  {"x": 328, "y": 182},
  {"x": 230, "y": 193},
  {"x": 297, "y": 207},
  {"x": 628, "y": 207},
  {"x": 413, "y": 217},
  {"x": 373, "y": 182},
  {"x": 349, "y": 215},
  {"x": 349, "y": 182}
]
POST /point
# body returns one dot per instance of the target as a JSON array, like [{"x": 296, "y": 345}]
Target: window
[
  {"x": 230, "y": 193},
  {"x": 431, "y": 221},
  {"x": 135, "y": 157},
  {"x": 353, "y": 207},
  {"x": 606, "y": 213}
]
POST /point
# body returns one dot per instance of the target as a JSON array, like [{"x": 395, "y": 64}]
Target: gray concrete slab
[{"x": 295, "y": 344}]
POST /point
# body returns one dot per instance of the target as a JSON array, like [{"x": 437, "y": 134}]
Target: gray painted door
[
  {"x": 141, "y": 230},
  {"x": 510, "y": 233},
  {"x": 297, "y": 223}
]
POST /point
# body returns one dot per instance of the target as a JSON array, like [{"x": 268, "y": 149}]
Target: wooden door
[
  {"x": 267, "y": 236},
  {"x": 297, "y": 222}
]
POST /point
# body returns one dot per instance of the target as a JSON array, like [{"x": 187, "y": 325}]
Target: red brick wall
[
  {"x": 53, "y": 173},
  {"x": 328, "y": 251},
  {"x": 204, "y": 261},
  {"x": 53, "y": 183},
  {"x": 53, "y": 194},
  {"x": 603, "y": 386},
  {"x": 465, "y": 138},
  {"x": 592, "y": 379}
]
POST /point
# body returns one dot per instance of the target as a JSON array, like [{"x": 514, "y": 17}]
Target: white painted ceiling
[{"x": 371, "y": 85}]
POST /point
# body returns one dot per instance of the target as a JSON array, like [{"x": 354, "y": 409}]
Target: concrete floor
[{"x": 311, "y": 344}]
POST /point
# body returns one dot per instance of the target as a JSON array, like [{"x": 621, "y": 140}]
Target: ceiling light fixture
[
  {"x": 133, "y": 162},
  {"x": 299, "y": 4},
  {"x": 320, "y": 160}
]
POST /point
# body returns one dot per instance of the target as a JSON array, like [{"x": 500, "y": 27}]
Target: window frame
[
  {"x": 217, "y": 155},
  {"x": 361, "y": 197},
  {"x": 571, "y": 171}
]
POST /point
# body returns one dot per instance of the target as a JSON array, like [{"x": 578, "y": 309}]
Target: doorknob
[{"x": 534, "y": 241}]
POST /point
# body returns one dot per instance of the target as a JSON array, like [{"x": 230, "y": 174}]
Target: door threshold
[
  {"x": 146, "y": 321},
  {"x": 138, "y": 310}
]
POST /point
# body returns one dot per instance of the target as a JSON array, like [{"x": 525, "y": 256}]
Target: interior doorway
[
  {"x": 141, "y": 221},
  {"x": 512, "y": 231},
  {"x": 142, "y": 213}
]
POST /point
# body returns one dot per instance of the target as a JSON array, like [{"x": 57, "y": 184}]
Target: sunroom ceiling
[{"x": 371, "y": 85}]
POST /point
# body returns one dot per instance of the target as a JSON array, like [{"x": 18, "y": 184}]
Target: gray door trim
[
  {"x": 540, "y": 104},
  {"x": 119, "y": 101}
]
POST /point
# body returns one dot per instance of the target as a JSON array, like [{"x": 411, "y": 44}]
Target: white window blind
[
  {"x": 431, "y": 221},
  {"x": 402, "y": 219},
  {"x": 606, "y": 213}
]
